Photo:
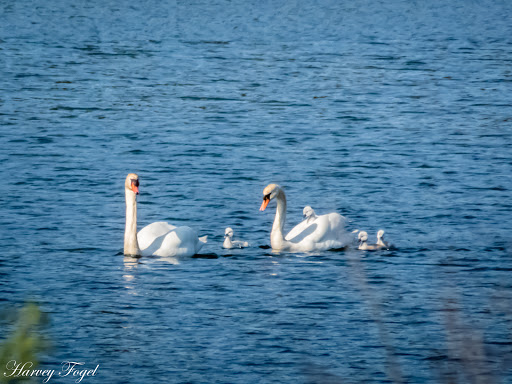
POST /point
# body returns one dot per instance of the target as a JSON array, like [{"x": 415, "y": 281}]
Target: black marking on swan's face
[
  {"x": 266, "y": 197},
  {"x": 134, "y": 184}
]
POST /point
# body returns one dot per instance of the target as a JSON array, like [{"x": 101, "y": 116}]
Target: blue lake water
[{"x": 395, "y": 114}]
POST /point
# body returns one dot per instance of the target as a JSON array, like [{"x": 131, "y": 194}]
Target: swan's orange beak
[{"x": 264, "y": 204}]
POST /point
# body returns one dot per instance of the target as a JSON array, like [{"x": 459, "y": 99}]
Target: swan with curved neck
[
  {"x": 322, "y": 233},
  {"x": 158, "y": 239}
]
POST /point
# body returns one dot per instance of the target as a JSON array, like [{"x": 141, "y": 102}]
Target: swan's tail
[{"x": 200, "y": 243}]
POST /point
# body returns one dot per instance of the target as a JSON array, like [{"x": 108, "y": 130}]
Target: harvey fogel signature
[{"x": 68, "y": 368}]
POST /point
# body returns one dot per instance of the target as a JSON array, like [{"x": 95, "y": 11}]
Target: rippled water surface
[{"x": 396, "y": 114}]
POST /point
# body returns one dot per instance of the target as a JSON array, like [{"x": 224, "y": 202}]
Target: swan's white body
[
  {"x": 158, "y": 239},
  {"x": 322, "y": 233},
  {"x": 229, "y": 243},
  {"x": 309, "y": 217},
  {"x": 164, "y": 239},
  {"x": 363, "y": 238}
]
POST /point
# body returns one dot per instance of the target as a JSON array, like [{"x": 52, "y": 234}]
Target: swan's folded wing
[
  {"x": 336, "y": 221},
  {"x": 182, "y": 241},
  {"x": 151, "y": 232},
  {"x": 297, "y": 230},
  {"x": 155, "y": 246},
  {"x": 330, "y": 229},
  {"x": 308, "y": 233}
]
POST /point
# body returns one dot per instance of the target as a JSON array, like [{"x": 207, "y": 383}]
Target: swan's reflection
[
  {"x": 131, "y": 262},
  {"x": 130, "y": 265},
  {"x": 167, "y": 259}
]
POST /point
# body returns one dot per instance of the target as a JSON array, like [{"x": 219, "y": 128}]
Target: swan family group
[{"x": 314, "y": 233}]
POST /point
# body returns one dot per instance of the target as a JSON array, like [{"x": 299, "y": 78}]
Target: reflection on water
[{"x": 130, "y": 266}]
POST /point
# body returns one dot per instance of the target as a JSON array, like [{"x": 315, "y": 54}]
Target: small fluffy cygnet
[
  {"x": 308, "y": 214},
  {"x": 380, "y": 239},
  {"x": 228, "y": 243},
  {"x": 363, "y": 245}
]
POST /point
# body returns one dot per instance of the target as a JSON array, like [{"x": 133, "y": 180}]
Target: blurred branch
[
  {"x": 394, "y": 371},
  {"x": 25, "y": 341}
]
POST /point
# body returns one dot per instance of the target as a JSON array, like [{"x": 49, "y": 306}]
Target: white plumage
[
  {"x": 159, "y": 238},
  {"x": 230, "y": 243},
  {"x": 363, "y": 238},
  {"x": 313, "y": 234}
]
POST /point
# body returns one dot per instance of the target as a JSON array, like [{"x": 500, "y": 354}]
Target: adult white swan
[
  {"x": 322, "y": 233},
  {"x": 158, "y": 239}
]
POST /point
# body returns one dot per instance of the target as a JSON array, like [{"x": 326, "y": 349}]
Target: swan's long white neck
[
  {"x": 131, "y": 245},
  {"x": 277, "y": 240}
]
